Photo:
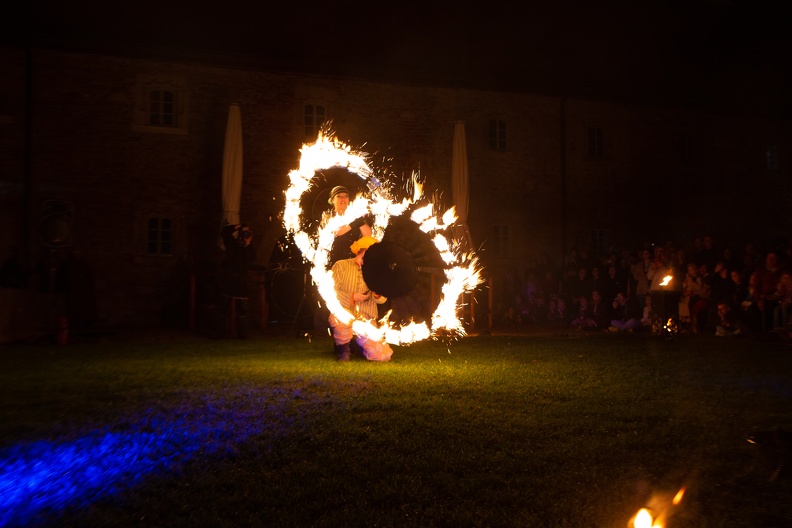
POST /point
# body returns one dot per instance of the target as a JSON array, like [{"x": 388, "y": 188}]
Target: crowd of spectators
[{"x": 721, "y": 290}]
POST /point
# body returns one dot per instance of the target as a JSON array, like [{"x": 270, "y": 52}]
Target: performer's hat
[{"x": 338, "y": 189}]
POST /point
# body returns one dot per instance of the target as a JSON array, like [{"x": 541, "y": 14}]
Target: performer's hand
[{"x": 360, "y": 297}]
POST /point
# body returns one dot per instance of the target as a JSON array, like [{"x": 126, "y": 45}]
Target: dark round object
[{"x": 389, "y": 269}]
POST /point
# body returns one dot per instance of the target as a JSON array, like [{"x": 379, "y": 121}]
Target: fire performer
[
  {"x": 346, "y": 234},
  {"x": 356, "y": 297},
  {"x": 344, "y": 237}
]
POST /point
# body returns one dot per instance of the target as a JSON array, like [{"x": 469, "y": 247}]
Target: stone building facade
[{"x": 141, "y": 194}]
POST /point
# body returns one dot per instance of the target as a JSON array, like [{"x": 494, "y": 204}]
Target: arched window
[{"x": 161, "y": 105}]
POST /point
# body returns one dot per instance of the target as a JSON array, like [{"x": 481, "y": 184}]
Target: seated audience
[
  {"x": 728, "y": 325},
  {"x": 623, "y": 316}
]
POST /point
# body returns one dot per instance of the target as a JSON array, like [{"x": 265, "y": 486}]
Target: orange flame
[
  {"x": 658, "y": 514},
  {"x": 643, "y": 519},
  {"x": 463, "y": 273},
  {"x": 678, "y": 497}
]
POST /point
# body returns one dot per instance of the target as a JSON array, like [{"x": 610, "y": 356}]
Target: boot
[{"x": 343, "y": 352}]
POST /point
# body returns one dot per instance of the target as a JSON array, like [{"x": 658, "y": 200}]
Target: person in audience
[
  {"x": 783, "y": 298},
  {"x": 597, "y": 281},
  {"x": 549, "y": 285},
  {"x": 557, "y": 314},
  {"x": 569, "y": 271},
  {"x": 728, "y": 325},
  {"x": 646, "y": 316},
  {"x": 539, "y": 309},
  {"x": 623, "y": 316},
  {"x": 660, "y": 269},
  {"x": 624, "y": 271},
  {"x": 703, "y": 306},
  {"x": 755, "y": 295},
  {"x": 678, "y": 263},
  {"x": 694, "y": 249},
  {"x": 613, "y": 283},
  {"x": 750, "y": 260},
  {"x": 729, "y": 259},
  {"x": 585, "y": 258},
  {"x": 750, "y": 316},
  {"x": 640, "y": 273},
  {"x": 708, "y": 254},
  {"x": 583, "y": 319},
  {"x": 600, "y": 310},
  {"x": 578, "y": 285},
  {"x": 721, "y": 289},
  {"x": 766, "y": 278},
  {"x": 693, "y": 298},
  {"x": 544, "y": 264}
]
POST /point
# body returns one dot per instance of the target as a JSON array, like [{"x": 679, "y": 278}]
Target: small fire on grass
[{"x": 657, "y": 514}]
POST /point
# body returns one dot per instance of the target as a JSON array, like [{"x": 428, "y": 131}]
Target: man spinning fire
[
  {"x": 345, "y": 235},
  {"x": 356, "y": 297}
]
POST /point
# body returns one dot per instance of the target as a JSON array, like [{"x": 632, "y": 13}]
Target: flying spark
[{"x": 462, "y": 274}]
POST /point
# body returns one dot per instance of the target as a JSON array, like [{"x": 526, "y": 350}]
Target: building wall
[{"x": 89, "y": 148}]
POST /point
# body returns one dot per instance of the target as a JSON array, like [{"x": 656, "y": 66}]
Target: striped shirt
[{"x": 348, "y": 278}]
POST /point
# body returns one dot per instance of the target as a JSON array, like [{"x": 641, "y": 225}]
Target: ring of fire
[{"x": 462, "y": 273}]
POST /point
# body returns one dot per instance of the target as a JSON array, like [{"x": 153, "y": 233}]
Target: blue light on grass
[{"x": 43, "y": 477}]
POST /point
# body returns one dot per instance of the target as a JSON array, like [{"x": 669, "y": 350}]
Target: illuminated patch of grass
[{"x": 491, "y": 431}]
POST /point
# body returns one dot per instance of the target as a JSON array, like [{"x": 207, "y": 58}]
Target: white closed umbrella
[
  {"x": 459, "y": 184},
  {"x": 232, "y": 167}
]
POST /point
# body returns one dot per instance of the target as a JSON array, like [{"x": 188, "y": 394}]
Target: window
[
  {"x": 497, "y": 134},
  {"x": 595, "y": 148},
  {"x": 162, "y": 108},
  {"x": 314, "y": 117},
  {"x": 161, "y": 105},
  {"x": 501, "y": 241},
  {"x": 771, "y": 155},
  {"x": 159, "y": 237}
]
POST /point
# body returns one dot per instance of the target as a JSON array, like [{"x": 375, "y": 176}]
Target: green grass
[{"x": 491, "y": 431}]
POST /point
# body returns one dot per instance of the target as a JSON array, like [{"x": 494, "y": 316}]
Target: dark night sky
[{"x": 656, "y": 50}]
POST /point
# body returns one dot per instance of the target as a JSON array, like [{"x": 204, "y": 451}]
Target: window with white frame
[
  {"x": 314, "y": 116},
  {"x": 496, "y": 133},
  {"x": 162, "y": 108},
  {"x": 161, "y": 105},
  {"x": 159, "y": 236},
  {"x": 501, "y": 241},
  {"x": 595, "y": 143}
]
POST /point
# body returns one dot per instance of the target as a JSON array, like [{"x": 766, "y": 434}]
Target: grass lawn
[{"x": 552, "y": 431}]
